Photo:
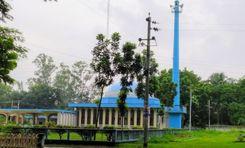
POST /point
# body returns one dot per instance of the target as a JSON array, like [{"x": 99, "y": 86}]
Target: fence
[
  {"x": 84, "y": 136},
  {"x": 19, "y": 140}
]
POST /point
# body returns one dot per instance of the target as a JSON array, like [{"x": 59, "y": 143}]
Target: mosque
[
  {"x": 84, "y": 114},
  {"x": 109, "y": 116}
]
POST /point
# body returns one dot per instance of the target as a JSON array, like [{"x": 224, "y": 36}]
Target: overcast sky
[{"x": 212, "y": 32}]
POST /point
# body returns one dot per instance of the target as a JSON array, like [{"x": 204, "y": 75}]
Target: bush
[
  {"x": 50, "y": 124},
  {"x": 109, "y": 127},
  {"x": 90, "y": 126},
  {"x": 137, "y": 127},
  {"x": 241, "y": 138}
]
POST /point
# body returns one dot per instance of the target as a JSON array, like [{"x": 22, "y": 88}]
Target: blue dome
[
  {"x": 117, "y": 86},
  {"x": 113, "y": 90}
]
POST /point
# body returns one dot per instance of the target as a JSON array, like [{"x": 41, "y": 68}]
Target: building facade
[{"x": 110, "y": 115}]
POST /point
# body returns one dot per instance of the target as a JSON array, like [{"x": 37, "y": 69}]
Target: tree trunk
[{"x": 99, "y": 107}]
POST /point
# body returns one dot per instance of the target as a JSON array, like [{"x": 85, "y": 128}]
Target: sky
[{"x": 211, "y": 31}]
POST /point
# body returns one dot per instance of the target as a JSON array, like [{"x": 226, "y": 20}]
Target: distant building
[{"x": 39, "y": 116}]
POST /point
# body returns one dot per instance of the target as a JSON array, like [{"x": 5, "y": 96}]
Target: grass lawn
[
  {"x": 75, "y": 136},
  {"x": 194, "y": 139}
]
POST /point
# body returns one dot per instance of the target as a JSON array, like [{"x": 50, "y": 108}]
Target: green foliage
[
  {"x": 137, "y": 127},
  {"x": 74, "y": 83},
  {"x": 241, "y": 138},
  {"x": 4, "y": 10},
  {"x": 10, "y": 50},
  {"x": 109, "y": 127},
  {"x": 42, "y": 96},
  {"x": 141, "y": 74},
  {"x": 90, "y": 126},
  {"x": 50, "y": 124},
  {"x": 104, "y": 55},
  {"x": 46, "y": 68}
]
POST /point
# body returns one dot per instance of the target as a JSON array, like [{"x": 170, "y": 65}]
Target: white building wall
[{"x": 66, "y": 119}]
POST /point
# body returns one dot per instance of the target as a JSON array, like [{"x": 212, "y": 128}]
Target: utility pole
[
  {"x": 148, "y": 45},
  {"x": 190, "y": 109}
]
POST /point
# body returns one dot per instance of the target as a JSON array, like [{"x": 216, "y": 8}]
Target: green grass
[
  {"x": 194, "y": 139},
  {"x": 75, "y": 136}
]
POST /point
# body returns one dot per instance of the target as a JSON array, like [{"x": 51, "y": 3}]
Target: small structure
[
  {"x": 39, "y": 116},
  {"x": 110, "y": 115}
]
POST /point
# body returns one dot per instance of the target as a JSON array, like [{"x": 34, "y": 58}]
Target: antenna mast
[{"x": 108, "y": 19}]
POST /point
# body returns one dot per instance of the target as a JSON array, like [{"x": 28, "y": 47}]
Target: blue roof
[
  {"x": 132, "y": 102},
  {"x": 37, "y": 110},
  {"x": 111, "y": 102}
]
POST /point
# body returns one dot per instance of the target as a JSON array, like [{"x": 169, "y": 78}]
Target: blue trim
[
  {"x": 111, "y": 102},
  {"x": 39, "y": 110}
]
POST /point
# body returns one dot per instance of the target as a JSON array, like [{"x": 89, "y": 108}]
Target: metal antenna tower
[
  {"x": 176, "y": 116},
  {"x": 108, "y": 19}
]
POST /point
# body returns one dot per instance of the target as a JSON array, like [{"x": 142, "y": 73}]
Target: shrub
[
  {"x": 109, "y": 127},
  {"x": 90, "y": 126},
  {"x": 241, "y": 138},
  {"x": 137, "y": 127},
  {"x": 50, "y": 124}
]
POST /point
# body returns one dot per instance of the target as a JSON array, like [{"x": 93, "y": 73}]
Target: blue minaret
[{"x": 175, "y": 116}]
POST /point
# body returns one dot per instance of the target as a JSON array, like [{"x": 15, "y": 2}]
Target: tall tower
[{"x": 176, "y": 113}]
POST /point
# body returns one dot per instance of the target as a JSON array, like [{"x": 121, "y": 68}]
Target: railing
[
  {"x": 90, "y": 136},
  {"x": 19, "y": 140}
]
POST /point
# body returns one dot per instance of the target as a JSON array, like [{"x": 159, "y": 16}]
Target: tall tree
[
  {"x": 45, "y": 71},
  {"x": 102, "y": 63},
  {"x": 142, "y": 74},
  {"x": 165, "y": 90},
  {"x": 128, "y": 64}
]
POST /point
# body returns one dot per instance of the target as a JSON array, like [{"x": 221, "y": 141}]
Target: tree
[
  {"x": 75, "y": 84},
  {"x": 46, "y": 69},
  {"x": 63, "y": 82},
  {"x": 128, "y": 65},
  {"x": 102, "y": 63},
  {"x": 82, "y": 76},
  {"x": 43, "y": 96},
  {"x": 165, "y": 89},
  {"x": 4, "y": 10},
  {"x": 10, "y": 50},
  {"x": 140, "y": 90}
]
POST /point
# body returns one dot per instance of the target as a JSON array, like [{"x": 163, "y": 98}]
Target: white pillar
[
  {"x": 110, "y": 114},
  {"x": 86, "y": 117},
  {"x": 80, "y": 117},
  {"x": 91, "y": 116},
  {"x": 69, "y": 119},
  {"x": 103, "y": 119},
  {"x": 135, "y": 117},
  {"x": 155, "y": 118},
  {"x": 141, "y": 118},
  {"x": 129, "y": 118},
  {"x": 116, "y": 118}
]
